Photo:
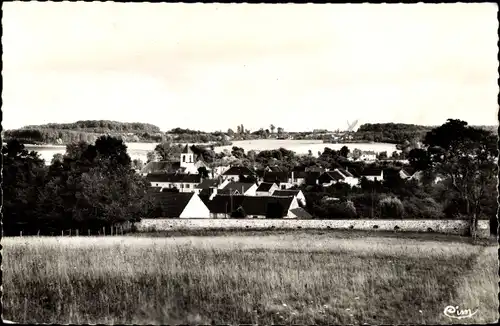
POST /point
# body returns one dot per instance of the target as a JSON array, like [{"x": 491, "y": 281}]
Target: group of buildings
[{"x": 237, "y": 191}]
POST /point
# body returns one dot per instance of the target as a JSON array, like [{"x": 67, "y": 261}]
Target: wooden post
[
  {"x": 76, "y": 232},
  {"x": 62, "y": 233},
  {"x": 20, "y": 233},
  {"x": 70, "y": 232},
  {"x": 38, "y": 233},
  {"x": 103, "y": 230},
  {"x": 89, "y": 232},
  {"x": 111, "y": 229}
]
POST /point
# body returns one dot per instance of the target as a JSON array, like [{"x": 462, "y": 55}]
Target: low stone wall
[{"x": 459, "y": 227}]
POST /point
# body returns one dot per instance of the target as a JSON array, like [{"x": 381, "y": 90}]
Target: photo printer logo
[{"x": 456, "y": 313}]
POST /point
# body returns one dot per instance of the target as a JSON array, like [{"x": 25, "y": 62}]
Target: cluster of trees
[
  {"x": 394, "y": 133},
  {"x": 87, "y": 131},
  {"x": 88, "y": 188}
]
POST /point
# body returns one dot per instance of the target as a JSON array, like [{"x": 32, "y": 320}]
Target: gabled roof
[
  {"x": 286, "y": 193},
  {"x": 301, "y": 213},
  {"x": 171, "y": 204},
  {"x": 227, "y": 192},
  {"x": 276, "y": 177},
  {"x": 300, "y": 174},
  {"x": 371, "y": 172},
  {"x": 238, "y": 170},
  {"x": 208, "y": 183},
  {"x": 265, "y": 186},
  {"x": 173, "y": 177},
  {"x": 345, "y": 173},
  {"x": 162, "y": 166},
  {"x": 187, "y": 150},
  {"x": 331, "y": 176},
  {"x": 242, "y": 187},
  {"x": 264, "y": 206}
]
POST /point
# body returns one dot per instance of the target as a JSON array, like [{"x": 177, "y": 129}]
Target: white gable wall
[
  {"x": 293, "y": 204},
  {"x": 195, "y": 209},
  {"x": 251, "y": 191}
]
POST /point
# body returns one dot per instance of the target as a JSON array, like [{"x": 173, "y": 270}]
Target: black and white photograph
[{"x": 257, "y": 164}]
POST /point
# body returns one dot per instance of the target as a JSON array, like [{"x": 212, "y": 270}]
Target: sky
[{"x": 215, "y": 66}]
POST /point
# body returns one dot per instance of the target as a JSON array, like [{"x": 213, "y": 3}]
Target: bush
[
  {"x": 426, "y": 208},
  {"x": 338, "y": 210},
  {"x": 391, "y": 207}
]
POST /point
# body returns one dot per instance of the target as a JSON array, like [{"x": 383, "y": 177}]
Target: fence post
[
  {"x": 111, "y": 229},
  {"x": 62, "y": 233},
  {"x": 20, "y": 233},
  {"x": 103, "y": 230},
  {"x": 76, "y": 232},
  {"x": 38, "y": 233},
  {"x": 70, "y": 232}
]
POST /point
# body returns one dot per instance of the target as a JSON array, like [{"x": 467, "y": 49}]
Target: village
[{"x": 232, "y": 191}]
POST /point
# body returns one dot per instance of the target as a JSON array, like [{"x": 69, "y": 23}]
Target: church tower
[{"x": 187, "y": 158}]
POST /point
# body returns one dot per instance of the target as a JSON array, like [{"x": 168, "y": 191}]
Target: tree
[
  {"x": 356, "y": 153},
  {"x": 382, "y": 155},
  {"x": 203, "y": 172},
  {"x": 22, "y": 176},
  {"x": 280, "y": 130},
  {"x": 151, "y": 157},
  {"x": 466, "y": 155},
  {"x": 344, "y": 151},
  {"x": 168, "y": 151},
  {"x": 230, "y": 132},
  {"x": 272, "y": 127},
  {"x": 419, "y": 159}
]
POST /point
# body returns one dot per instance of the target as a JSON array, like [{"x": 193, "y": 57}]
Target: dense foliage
[
  {"x": 90, "y": 187},
  {"x": 394, "y": 133}
]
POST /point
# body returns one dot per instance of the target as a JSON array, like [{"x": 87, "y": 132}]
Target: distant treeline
[
  {"x": 394, "y": 133},
  {"x": 101, "y": 126},
  {"x": 90, "y": 130}
]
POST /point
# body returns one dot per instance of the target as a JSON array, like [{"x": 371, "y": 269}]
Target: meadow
[{"x": 248, "y": 277}]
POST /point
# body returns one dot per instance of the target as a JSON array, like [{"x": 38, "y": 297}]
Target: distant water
[{"x": 140, "y": 150}]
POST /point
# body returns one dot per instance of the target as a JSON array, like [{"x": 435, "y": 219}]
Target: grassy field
[{"x": 259, "y": 278}]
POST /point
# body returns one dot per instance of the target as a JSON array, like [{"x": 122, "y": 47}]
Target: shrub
[
  {"x": 391, "y": 207},
  {"x": 426, "y": 208}
]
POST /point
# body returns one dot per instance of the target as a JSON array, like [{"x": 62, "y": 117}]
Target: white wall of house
[
  {"x": 183, "y": 187},
  {"x": 301, "y": 198},
  {"x": 219, "y": 215},
  {"x": 351, "y": 181},
  {"x": 285, "y": 185},
  {"x": 195, "y": 209},
  {"x": 293, "y": 204},
  {"x": 375, "y": 177},
  {"x": 274, "y": 187},
  {"x": 251, "y": 191}
]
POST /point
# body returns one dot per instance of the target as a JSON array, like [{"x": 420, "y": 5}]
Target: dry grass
[{"x": 287, "y": 278}]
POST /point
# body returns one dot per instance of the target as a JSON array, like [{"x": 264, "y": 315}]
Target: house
[
  {"x": 179, "y": 205},
  {"x": 299, "y": 213},
  {"x": 273, "y": 168},
  {"x": 330, "y": 177},
  {"x": 292, "y": 192},
  {"x": 311, "y": 178},
  {"x": 266, "y": 189},
  {"x": 280, "y": 178},
  {"x": 315, "y": 168},
  {"x": 419, "y": 175},
  {"x": 211, "y": 185},
  {"x": 183, "y": 182},
  {"x": 368, "y": 156},
  {"x": 396, "y": 172},
  {"x": 373, "y": 174},
  {"x": 253, "y": 206},
  {"x": 297, "y": 178},
  {"x": 234, "y": 172},
  {"x": 161, "y": 167},
  {"x": 243, "y": 188}
]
